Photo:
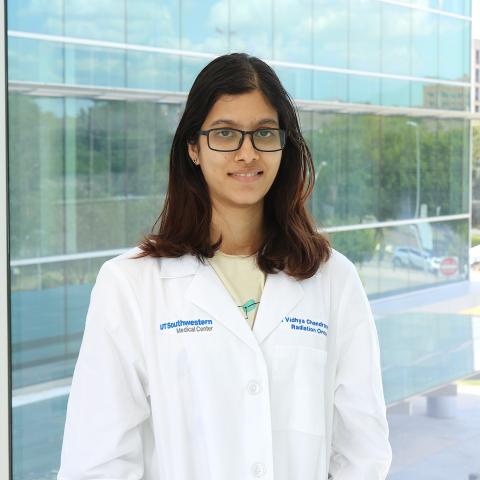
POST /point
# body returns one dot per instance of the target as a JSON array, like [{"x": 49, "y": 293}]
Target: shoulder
[
  {"x": 137, "y": 269},
  {"x": 338, "y": 267}
]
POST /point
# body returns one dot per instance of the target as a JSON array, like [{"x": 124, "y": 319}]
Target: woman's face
[{"x": 222, "y": 170}]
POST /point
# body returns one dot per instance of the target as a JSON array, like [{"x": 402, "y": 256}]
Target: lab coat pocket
[{"x": 297, "y": 388}]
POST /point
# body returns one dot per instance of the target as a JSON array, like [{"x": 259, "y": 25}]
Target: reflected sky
[{"x": 370, "y": 35}]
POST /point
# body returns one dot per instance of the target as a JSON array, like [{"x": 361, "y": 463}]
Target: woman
[{"x": 235, "y": 342}]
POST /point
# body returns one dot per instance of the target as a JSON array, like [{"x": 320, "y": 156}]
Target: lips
[{"x": 246, "y": 174}]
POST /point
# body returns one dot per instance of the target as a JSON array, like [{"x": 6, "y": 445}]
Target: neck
[{"x": 241, "y": 228}]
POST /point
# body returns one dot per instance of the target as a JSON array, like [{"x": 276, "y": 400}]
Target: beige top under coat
[{"x": 243, "y": 279}]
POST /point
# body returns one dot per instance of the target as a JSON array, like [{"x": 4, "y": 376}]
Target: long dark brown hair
[{"x": 291, "y": 242}]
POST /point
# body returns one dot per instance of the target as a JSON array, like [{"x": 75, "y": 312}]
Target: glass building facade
[{"x": 96, "y": 89}]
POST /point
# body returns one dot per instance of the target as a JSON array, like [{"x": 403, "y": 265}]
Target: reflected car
[{"x": 410, "y": 257}]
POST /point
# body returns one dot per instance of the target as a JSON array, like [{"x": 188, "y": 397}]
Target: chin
[{"x": 245, "y": 201}]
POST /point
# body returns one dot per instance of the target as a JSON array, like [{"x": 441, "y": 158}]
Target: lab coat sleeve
[
  {"x": 108, "y": 399},
  {"x": 360, "y": 445}
]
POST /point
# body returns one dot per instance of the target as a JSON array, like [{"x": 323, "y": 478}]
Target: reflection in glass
[
  {"x": 23, "y": 64},
  {"x": 438, "y": 96},
  {"x": 254, "y": 38},
  {"x": 421, "y": 351},
  {"x": 85, "y": 176},
  {"x": 94, "y": 66},
  {"x": 370, "y": 169},
  {"x": 153, "y": 23},
  {"x": 462, "y": 7},
  {"x": 330, "y": 33},
  {"x": 330, "y": 86},
  {"x": 297, "y": 81},
  {"x": 424, "y": 44},
  {"x": 363, "y": 89},
  {"x": 364, "y": 35},
  {"x": 407, "y": 257},
  {"x": 33, "y": 16},
  {"x": 204, "y": 26},
  {"x": 190, "y": 67},
  {"x": 396, "y": 25},
  {"x": 153, "y": 71},
  {"x": 292, "y": 40},
  {"x": 103, "y": 20},
  {"x": 395, "y": 92},
  {"x": 454, "y": 49}
]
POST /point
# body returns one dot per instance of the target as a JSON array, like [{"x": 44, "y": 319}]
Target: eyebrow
[{"x": 263, "y": 121}]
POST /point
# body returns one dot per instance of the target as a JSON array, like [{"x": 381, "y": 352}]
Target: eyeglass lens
[{"x": 227, "y": 139}]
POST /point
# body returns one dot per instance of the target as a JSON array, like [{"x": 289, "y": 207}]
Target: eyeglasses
[{"x": 231, "y": 139}]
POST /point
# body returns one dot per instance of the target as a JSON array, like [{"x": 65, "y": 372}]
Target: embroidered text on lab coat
[
  {"x": 306, "y": 324},
  {"x": 183, "y": 326}
]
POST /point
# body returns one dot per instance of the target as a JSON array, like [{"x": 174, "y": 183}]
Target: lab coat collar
[{"x": 280, "y": 295}]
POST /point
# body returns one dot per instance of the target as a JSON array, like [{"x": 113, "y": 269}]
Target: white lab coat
[{"x": 215, "y": 400}]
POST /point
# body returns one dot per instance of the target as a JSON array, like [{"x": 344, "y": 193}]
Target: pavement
[{"x": 428, "y": 448}]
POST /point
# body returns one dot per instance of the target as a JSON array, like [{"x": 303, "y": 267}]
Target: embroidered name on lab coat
[
  {"x": 189, "y": 326},
  {"x": 307, "y": 325}
]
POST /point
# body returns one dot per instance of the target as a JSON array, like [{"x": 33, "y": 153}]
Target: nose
[{"x": 247, "y": 151}]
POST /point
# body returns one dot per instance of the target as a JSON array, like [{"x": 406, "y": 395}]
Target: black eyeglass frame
[{"x": 282, "y": 132}]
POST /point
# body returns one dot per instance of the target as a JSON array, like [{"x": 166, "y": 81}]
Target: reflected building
[
  {"x": 95, "y": 93},
  {"x": 446, "y": 97}
]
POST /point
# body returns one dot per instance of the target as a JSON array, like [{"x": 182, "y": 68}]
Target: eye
[
  {"x": 224, "y": 133},
  {"x": 264, "y": 133}
]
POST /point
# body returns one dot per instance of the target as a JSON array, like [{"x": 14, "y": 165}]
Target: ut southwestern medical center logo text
[
  {"x": 307, "y": 325},
  {"x": 188, "y": 326}
]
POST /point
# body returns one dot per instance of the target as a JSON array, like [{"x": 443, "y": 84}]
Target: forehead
[{"x": 244, "y": 108}]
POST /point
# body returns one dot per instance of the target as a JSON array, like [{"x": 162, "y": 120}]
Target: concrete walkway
[{"x": 426, "y": 448}]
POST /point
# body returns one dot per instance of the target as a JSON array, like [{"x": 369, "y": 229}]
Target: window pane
[
  {"x": 364, "y": 36},
  {"x": 329, "y": 86},
  {"x": 424, "y": 46},
  {"x": 441, "y": 96},
  {"x": 154, "y": 23},
  {"x": 293, "y": 39},
  {"x": 330, "y": 33},
  {"x": 395, "y": 92},
  {"x": 462, "y": 7},
  {"x": 94, "y": 66},
  {"x": 103, "y": 20},
  {"x": 454, "y": 49},
  {"x": 297, "y": 81},
  {"x": 396, "y": 28},
  {"x": 372, "y": 169},
  {"x": 153, "y": 71},
  {"x": 204, "y": 26},
  {"x": 255, "y": 38},
  {"x": 403, "y": 258},
  {"x": 23, "y": 64},
  {"x": 33, "y": 16},
  {"x": 36, "y": 176},
  {"x": 363, "y": 89}
]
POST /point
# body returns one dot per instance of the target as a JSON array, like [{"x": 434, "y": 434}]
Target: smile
[
  {"x": 246, "y": 177},
  {"x": 249, "y": 174}
]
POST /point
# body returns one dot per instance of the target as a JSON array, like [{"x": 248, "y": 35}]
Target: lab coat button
[
  {"x": 258, "y": 469},
  {"x": 253, "y": 387}
]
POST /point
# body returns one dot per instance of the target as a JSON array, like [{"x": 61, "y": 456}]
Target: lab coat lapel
[
  {"x": 280, "y": 295},
  {"x": 208, "y": 292}
]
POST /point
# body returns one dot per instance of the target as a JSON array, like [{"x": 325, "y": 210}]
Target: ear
[{"x": 193, "y": 151}]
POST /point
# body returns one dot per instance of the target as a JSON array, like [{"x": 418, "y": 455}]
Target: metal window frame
[{"x": 5, "y": 370}]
